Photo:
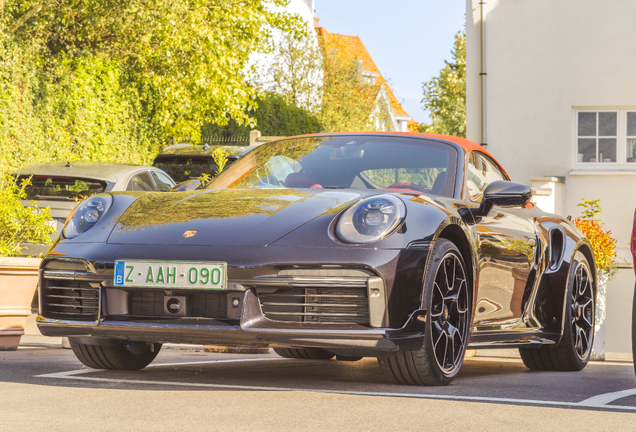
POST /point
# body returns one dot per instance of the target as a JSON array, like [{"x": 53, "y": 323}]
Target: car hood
[{"x": 239, "y": 217}]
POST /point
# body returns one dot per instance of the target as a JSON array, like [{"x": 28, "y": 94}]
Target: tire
[
  {"x": 573, "y": 351},
  {"x": 449, "y": 306},
  {"x": 304, "y": 353},
  {"x": 125, "y": 356}
]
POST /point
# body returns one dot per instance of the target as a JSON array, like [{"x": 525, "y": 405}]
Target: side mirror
[
  {"x": 187, "y": 185},
  {"x": 503, "y": 193}
]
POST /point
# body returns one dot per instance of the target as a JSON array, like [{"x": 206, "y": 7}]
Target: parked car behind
[
  {"x": 60, "y": 185},
  {"x": 184, "y": 162}
]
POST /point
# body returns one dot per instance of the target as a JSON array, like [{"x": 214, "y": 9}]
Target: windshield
[
  {"x": 61, "y": 188},
  {"x": 360, "y": 162}
]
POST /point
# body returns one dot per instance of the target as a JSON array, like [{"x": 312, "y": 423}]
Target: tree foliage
[
  {"x": 294, "y": 72},
  {"x": 324, "y": 81},
  {"x": 186, "y": 59},
  {"x": 445, "y": 95},
  {"x": 273, "y": 116},
  {"x": 348, "y": 99}
]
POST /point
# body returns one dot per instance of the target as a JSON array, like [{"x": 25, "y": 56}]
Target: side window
[
  {"x": 141, "y": 182},
  {"x": 163, "y": 181},
  {"x": 481, "y": 172}
]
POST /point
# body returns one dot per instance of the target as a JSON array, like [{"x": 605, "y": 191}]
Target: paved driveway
[{"x": 45, "y": 387}]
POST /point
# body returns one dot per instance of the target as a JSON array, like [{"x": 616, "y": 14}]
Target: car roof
[
  {"x": 201, "y": 150},
  {"x": 91, "y": 170},
  {"x": 467, "y": 144}
]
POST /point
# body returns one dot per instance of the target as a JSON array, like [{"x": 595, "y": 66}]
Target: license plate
[{"x": 165, "y": 274}]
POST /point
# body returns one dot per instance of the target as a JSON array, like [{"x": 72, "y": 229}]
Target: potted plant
[
  {"x": 605, "y": 258},
  {"x": 18, "y": 275}
]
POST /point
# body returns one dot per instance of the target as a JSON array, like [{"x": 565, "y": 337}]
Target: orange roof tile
[{"x": 353, "y": 47}]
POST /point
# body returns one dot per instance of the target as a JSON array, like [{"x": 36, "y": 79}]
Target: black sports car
[{"x": 406, "y": 247}]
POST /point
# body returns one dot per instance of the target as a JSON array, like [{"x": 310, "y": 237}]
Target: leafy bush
[
  {"x": 602, "y": 242},
  {"x": 274, "y": 117},
  {"x": 20, "y": 224},
  {"x": 69, "y": 109}
]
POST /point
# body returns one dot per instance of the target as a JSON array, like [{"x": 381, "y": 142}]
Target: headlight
[
  {"x": 371, "y": 219},
  {"x": 86, "y": 215}
]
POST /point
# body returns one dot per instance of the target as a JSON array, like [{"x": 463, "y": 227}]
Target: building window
[{"x": 605, "y": 138}]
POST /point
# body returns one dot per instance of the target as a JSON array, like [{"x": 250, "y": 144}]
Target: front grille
[
  {"x": 69, "y": 300},
  {"x": 202, "y": 304},
  {"x": 322, "y": 305}
]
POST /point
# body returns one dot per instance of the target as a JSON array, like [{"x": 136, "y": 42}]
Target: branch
[{"x": 28, "y": 15}]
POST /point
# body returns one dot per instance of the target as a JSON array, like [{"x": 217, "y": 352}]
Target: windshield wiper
[{"x": 53, "y": 198}]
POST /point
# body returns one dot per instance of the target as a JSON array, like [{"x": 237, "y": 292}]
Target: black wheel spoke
[
  {"x": 441, "y": 349},
  {"x": 450, "y": 353},
  {"x": 578, "y": 344},
  {"x": 440, "y": 334},
  {"x": 585, "y": 344},
  {"x": 437, "y": 307}
]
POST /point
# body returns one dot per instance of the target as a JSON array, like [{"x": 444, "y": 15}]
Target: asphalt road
[{"x": 44, "y": 387}]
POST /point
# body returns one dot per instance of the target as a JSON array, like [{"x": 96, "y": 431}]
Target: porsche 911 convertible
[{"x": 409, "y": 248}]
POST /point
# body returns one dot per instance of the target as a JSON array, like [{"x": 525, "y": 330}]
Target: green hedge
[
  {"x": 274, "y": 117},
  {"x": 63, "y": 109}
]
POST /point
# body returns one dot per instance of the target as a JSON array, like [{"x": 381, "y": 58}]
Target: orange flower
[{"x": 602, "y": 242}]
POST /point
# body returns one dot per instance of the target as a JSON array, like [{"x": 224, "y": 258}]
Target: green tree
[
  {"x": 349, "y": 100},
  {"x": 324, "y": 81},
  {"x": 445, "y": 95},
  {"x": 294, "y": 72},
  {"x": 185, "y": 58}
]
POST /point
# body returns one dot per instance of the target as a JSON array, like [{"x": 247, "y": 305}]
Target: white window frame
[{"x": 621, "y": 163}]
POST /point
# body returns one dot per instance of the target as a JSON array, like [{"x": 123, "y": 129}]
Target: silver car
[{"x": 61, "y": 185}]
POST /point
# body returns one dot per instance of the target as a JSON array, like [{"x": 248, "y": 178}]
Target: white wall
[{"x": 544, "y": 59}]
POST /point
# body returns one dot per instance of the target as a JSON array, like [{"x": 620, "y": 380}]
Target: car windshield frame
[{"x": 376, "y": 162}]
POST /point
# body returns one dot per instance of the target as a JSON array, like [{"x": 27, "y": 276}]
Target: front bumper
[
  {"x": 389, "y": 279},
  {"x": 253, "y": 329},
  {"x": 108, "y": 317}
]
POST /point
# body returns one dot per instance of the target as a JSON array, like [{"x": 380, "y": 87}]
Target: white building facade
[{"x": 549, "y": 91}]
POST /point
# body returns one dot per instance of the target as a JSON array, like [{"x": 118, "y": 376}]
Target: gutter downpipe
[{"x": 484, "y": 142}]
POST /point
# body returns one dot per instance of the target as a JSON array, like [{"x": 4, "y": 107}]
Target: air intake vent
[
  {"x": 69, "y": 300},
  {"x": 333, "y": 305},
  {"x": 202, "y": 305}
]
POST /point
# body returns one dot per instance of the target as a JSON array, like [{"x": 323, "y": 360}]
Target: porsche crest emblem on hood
[{"x": 189, "y": 233}]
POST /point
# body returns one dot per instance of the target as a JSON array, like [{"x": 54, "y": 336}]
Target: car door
[{"x": 507, "y": 242}]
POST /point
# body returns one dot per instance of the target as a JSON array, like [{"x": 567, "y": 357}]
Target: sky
[{"x": 408, "y": 39}]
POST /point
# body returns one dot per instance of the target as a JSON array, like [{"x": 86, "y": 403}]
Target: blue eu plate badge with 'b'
[{"x": 119, "y": 273}]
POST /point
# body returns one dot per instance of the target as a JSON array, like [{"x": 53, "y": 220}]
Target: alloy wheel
[
  {"x": 582, "y": 311},
  {"x": 449, "y": 318}
]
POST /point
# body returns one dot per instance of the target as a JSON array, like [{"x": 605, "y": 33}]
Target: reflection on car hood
[{"x": 241, "y": 217}]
